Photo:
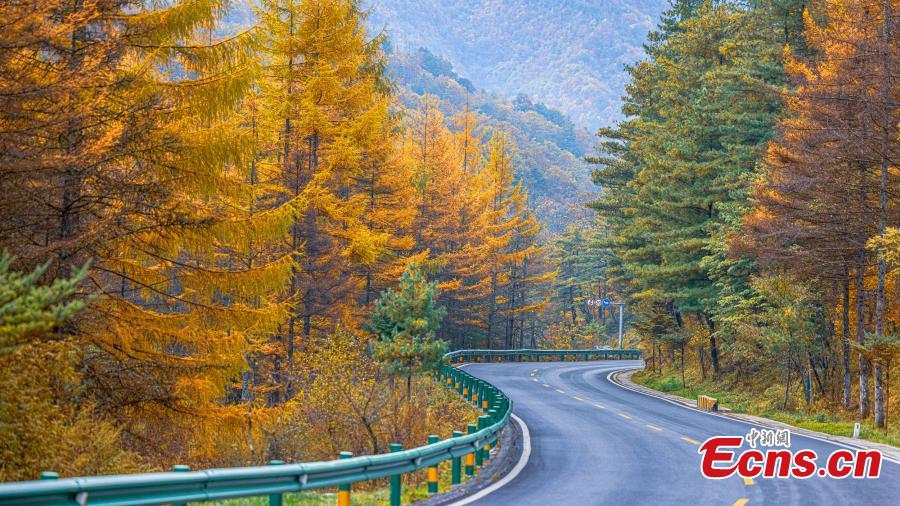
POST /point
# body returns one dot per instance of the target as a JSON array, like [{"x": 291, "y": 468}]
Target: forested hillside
[
  {"x": 548, "y": 148},
  {"x": 226, "y": 244},
  {"x": 750, "y": 214},
  {"x": 569, "y": 55}
]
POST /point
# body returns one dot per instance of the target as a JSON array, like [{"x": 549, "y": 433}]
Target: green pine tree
[
  {"x": 406, "y": 322},
  {"x": 29, "y": 310}
]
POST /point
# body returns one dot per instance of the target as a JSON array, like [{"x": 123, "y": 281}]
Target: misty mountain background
[{"x": 568, "y": 54}]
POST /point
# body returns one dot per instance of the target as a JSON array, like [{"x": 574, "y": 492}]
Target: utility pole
[{"x": 621, "y": 310}]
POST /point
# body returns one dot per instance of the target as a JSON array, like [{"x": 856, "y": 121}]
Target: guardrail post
[
  {"x": 479, "y": 455},
  {"x": 344, "y": 490},
  {"x": 396, "y": 483},
  {"x": 470, "y": 457},
  {"x": 180, "y": 469},
  {"x": 456, "y": 465},
  {"x": 276, "y": 499},
  {"x": 494, "y": 418},
  {"x": 433, "y": 470}
]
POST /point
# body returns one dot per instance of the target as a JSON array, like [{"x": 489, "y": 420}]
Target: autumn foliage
[{"x": 242, "y": 200}]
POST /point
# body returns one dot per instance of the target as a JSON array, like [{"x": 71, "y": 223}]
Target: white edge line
[
  {"x": 523, "y": 461},
  {"x": 793, "y": 434}
]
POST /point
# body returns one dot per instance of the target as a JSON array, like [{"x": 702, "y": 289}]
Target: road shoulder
[{"x": 622, "y": 378}]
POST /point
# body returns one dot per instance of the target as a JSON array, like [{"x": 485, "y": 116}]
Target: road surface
[{"x": 594, "y": 442}]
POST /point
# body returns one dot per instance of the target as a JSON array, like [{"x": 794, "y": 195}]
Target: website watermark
[{"x": 768, "y": 454}]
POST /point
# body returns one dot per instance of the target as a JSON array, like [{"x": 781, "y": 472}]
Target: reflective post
[
  {"x": 344, "y": 490},
  {"x": 456, "y": 465},
  {"x": 433, "y": 470}
]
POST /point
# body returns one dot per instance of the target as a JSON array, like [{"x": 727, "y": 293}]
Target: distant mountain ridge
[
  {"x": 569, "y": 54},
  {"x": 548, "y": 150}
]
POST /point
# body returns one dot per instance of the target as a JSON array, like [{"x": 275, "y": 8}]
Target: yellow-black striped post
[
  {"x": 479, "y": 454},
  {"x": 494, "y": 418},
  {"x": 344, "y": 490},
  {"x": 433, "y": 470},
  {"x": 491, "y": 418},
  {"x": 470, "y": 457},
  {"x": 456, "y": 465}
]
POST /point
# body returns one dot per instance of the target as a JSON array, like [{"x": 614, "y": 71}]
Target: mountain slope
[
  {"x": 548, "y": 148},
  {"x": 569, "y": 54}
]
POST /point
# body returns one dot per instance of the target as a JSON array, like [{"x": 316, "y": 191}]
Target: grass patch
[{"x": 765, "y": 401}]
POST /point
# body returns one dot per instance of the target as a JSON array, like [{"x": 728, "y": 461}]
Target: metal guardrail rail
[
  {"x": 535, "y": 355},
  {"x": 277, "y": 479}
]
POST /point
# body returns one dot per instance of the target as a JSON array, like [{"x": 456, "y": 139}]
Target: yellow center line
[
  {"x": 560, "y": 391},
  {"x": 654, "y": 427},
  {"x": 623, "y": 415},
  {"x": 577, "y": 398},
  {"x": 546, "y": 385},
  {"x": 741, "y": 502},
  {"x": 748, "y": 481},
  {"x": 601, "y": 406},
  {"x": 689, "y": 440}
]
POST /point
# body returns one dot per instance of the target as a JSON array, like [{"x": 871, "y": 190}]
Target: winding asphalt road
[{"x": 595, "y": 442}]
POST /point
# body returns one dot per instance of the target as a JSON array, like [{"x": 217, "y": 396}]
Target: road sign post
[{"x": 621, "y": 311}]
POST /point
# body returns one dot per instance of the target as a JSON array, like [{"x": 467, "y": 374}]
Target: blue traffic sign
[{"x": 606, "y": 302}]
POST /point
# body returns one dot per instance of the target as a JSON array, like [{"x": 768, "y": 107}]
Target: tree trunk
[
  {"x": 845, "y": 338},
  {"x": 879, "y": 395},
  {"x": 572, "y": 305},
  {"x": 861, "y": 333},
  {"x": 787, "y": 383},
  {"x": 882, "y": 204},
  {"x": 713, "y": 349}
]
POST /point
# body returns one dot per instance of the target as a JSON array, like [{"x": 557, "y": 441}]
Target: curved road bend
[{"x": 594, "y": 442}]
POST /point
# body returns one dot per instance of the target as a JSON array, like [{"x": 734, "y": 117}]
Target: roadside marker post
[
  {"x": 344, "y": 490},
  {"x": 481, "y": 455},
  {"x": 456, "y": 465},
  {"x": 470, "y": 457},
  {"x": 433, "y": 470},
  {"x": 396, "y": 483}
]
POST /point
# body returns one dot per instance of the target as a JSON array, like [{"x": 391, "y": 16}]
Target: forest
[
  {"x": 749, "y": 211},
  {"x": 227, "y": 244},
  {"x": 225, "y": 248}
]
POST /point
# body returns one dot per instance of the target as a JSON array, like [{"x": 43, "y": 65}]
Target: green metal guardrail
[
  {"x": 536, "y": 355},
  {"x": 182, "y": 486}
]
